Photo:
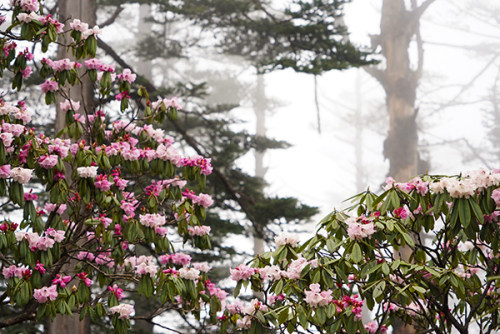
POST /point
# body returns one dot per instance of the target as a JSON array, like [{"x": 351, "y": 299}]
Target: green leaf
[
  {"x": 238, "y": 288},
  {"x": 378, "y": 291},
  {"x": 320, "y": 315},
  {"x": 385, "y": 268},
  {"x": 476, "y": 209},
  {"x": 420, "y": 289},
  {"x": 278, "y": 287},
  {"x": 389, "y": 224},
  {"x": 302, "y": 317},
  {"x": 464, "y": 211},
  {"x": 283, "y": 316},
  {"x": 356, "y": 255},
  {"x": 261, "y": 317},
  {"x": 409, "y": 240}
]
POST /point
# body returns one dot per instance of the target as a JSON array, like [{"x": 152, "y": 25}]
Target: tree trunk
[
  {"x": 259, "y": 106},
  {"x": 358, "y": 141},
  {"x": 400, "y": 84},
  {"x": 85, "y": 10},
  {"x": 143, "y": 305},
  {"x": 398, "y": 27}
]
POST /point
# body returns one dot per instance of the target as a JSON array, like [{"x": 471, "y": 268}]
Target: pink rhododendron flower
[
  {"x": 40, "y": 268},
  {"x": 272, "y": 273},
  {"x": 204, "y": 200},
  {"x": 180, "y": 259},
  {"x": 102, "y": 182},
  {"x": 27, "y": 18},
  {"x": 242, "y": 272},
  {"x": 124, "y": 310},
  {"x": 6, "y": 138},
  {"x": 58, "y": 235},
  {"x": 401, "y": 212},
  {"x": 85, "y": 255},
  {"x": 496, "y": 196},
  {"x": 30, "y": 196},
  {"x": 189, "y": 273},
  {"x": 49, "y": 86},
  {"x": 69, "y": 105},
  {"x": 390, "y": 307},
  {"x": 26, "y": 73},
  {"x": 116, "y": 291},
  {"x": 291, "y": 239},
  {"x": 79, "y": 25},
  {"x": 48, "y": 161},
  {"x": 62, "y": 65},
  {"x": 316, "y": 297},
  {"x": 152, "y": 220},
  {"x": 61, "y": 280},
  {"x": 93, "y": 64},
  {"x": 199, "y": 230},
  {"x": 13, "y": 271},
  {"x": 91, "y": 32},
  {"x": 359, "y": 230},
  {"x": 122, "y": 95},
  {"x": 86, "y": 280},
  {"x": 21, "y": 175},
  {"x": 202, "y": 266},
  {"x": 5, "y": 171},
  {"x": 372, "y": 327},
  {"x": 127, "y": 75},
  {"x": 30, "y": 5},
  {"x": 45, "y": 293},
  {"x": 87, "y": 172}
]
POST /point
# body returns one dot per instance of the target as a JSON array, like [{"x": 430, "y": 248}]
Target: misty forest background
[{"x": 292, "y": 127}]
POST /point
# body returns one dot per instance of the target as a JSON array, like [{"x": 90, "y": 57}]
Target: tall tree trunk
[
  {"x": 143, "y": 305},
  {"x": 144, "y": 66},
  {"x": 398, "y": 26},
  {"x": 358, "y": 140},
  {"x": 85, "y": 10},
  {"x": 259, "y": 106}
]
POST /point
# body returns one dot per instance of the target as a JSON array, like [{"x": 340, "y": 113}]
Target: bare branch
[
  {"x": 112, "y": 18},
  {"x": 470, "y": 83},
  {"x": 469, "y": 145},
  {"x": 421, "y": 9}
]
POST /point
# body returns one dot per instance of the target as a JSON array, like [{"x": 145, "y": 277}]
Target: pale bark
[
  {"x": 85, "y": 10},
  {"x": 144, "y": 67}
]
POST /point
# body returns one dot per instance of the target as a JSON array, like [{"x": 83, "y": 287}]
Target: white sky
[{"x": 320, "y": 168}]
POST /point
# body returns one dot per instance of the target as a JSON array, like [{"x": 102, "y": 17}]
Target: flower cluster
[
  {"x": 315, "y": 297},
  {"x": 359, "y": 228},
  {"x": 291, "y": 239},
  {"x": 124, "y": 311}
]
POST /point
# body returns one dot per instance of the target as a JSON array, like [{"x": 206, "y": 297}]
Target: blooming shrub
[
  {"x": 98, "y": 208},
  {"x": 449, "y": 282}
]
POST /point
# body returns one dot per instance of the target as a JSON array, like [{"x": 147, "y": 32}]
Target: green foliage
[{"x": 378, "y": 255}]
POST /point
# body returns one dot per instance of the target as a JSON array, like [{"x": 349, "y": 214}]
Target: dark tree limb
[{"x": 112, "y": 18}]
